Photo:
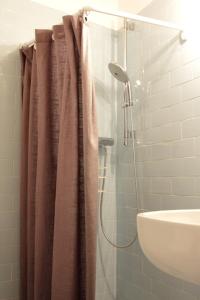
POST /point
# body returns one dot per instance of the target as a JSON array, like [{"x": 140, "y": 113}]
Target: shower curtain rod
[
  {"x": 134, "y": 17},
  {"x": 87, "y": 9}
]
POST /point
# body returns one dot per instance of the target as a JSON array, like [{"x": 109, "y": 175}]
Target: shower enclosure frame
[{"x": 87, "y": 10}]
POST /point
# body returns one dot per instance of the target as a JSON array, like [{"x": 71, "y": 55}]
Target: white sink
[{"x": 171, "y": 241}]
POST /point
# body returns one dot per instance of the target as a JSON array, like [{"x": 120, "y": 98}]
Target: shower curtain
[{"x": 58, "y": 166}]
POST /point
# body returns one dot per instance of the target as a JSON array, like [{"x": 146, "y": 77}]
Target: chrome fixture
[{"x": 120, "y": 73}]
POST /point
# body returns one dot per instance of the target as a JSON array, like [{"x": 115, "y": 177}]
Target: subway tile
[
  {"x": 167, "y": 133},
  {"x": 6, "y": 168},
  {"x": 191, "y": 166},
  {"x": 129, "y": 261},
  {"x": 9, "y": 254},
  {"x": 6, "y": 202},
  {"x": 197, "y": 146},
  {"x": 196, "y": 68},
  {"x": 171, "y": 58},
  {"x": 166, "y": 98},
  {"x": 139, "y": 168},
  {"x": 9, "y": 219},
  {"x": 126, "y": 199},
  {"x": 145, "y": 184},
  {"x": 150, "y": 169},
  {"x": 161, "y": 290},
  {"x": 183, "y": 148},
  {"x": 191, "y": 128},
  {"x": 126, "y": 185},
  {"x": 161, "y": 186},
  {"x": 191, "y": 288},
  {"x": 125, "y": 169},
  {"x": 191, "y": 89},
  {"x": 179, "y": 202},
  {"x": 125, "y": 154},
  {"x": 190, "y": 51},
  {"x": 196, "y": 106},
  {"x": 143, "y": 153},
  {"x": 182, "y": 74},
  {"x": 8, "y": 66},
  {"x": 171, "y": 97},
  {"x": 161, "y": 151},
  {"x": 16, "y": 167},
  {"x": 161, "y": 84},
  {"x": 9, "y": 185},
  {"x": 197, "y": 186},
  {"x": 152, "y": 201},
  {"x": 109, "y": 210},
  {"x": 157, "y": 275},
  {"x": 152, "y": 71},
  {"x": 161, "y": 117},
  {"x": 5, "y": 272},
  {"x": 7, "y": 88},
  {"x": 126, "y": 229},
  {"x": 9, "y": 236},
  {"x": 9, "y": 289},
  {"x": 174, "y": 113},
  {"x": 100, "y": 286},
  {"x": 126, "y": 213},
  {"x": 176, "y": 294},
  {"x": 109, "y": 184},
  {"x": 164, "y": 168},
  {"x": 183, "y": 186},
  {"x": 182, "y": 111},
  {"x": 9, "y": 149}
]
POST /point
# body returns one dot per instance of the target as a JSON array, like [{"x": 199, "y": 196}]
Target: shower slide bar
[{"x": 86, "y": 10}]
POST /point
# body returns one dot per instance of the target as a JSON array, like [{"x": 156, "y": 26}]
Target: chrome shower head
[{"x": 118, "y": 72}]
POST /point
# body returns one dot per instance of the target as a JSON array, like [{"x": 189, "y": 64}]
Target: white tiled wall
[
  {"x": 167, "y": 134},
  {"x": 167, "y": 131},
  {"x": 18, "y": 19},
  {"x": 17, "y": 22}
]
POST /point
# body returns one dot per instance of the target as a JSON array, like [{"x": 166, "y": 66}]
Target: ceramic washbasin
[{"x": 171, "y": 241}]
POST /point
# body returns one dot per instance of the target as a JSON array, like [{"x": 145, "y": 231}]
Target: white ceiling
[
  {"x": 72, "y": 6},
  {"x": 69, "y": 6},
  {"x": 133, "y": 6}
]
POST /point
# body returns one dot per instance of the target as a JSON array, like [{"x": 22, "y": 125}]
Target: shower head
[{"x": 118, "y": 72}]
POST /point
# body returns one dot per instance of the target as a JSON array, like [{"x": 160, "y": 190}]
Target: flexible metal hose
[{"x": 103, "y": 187}]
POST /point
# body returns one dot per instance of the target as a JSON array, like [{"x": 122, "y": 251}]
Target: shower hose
[{"x": 131, "y": 242}]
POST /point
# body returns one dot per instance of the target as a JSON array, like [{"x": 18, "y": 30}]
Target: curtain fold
[{"x": 58, "y": 166}]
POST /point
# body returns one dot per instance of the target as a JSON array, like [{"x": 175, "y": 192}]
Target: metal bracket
[
  {"x": 130, "y": 25},
  {"x": 183, "y": 37},
  {"x": 85, "y": 14}
]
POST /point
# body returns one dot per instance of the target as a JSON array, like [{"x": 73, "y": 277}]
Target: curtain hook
[{"x": 85, "y": 14}]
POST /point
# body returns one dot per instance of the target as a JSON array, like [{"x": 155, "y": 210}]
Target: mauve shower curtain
[{"x": 59, "y": 166}]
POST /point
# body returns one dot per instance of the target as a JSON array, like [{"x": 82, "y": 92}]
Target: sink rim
[
  {"x": 168, "y": 243},
  {"x": 151, "y": 215}
]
